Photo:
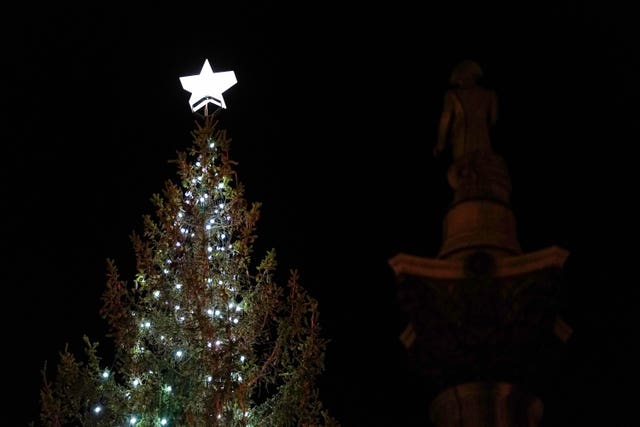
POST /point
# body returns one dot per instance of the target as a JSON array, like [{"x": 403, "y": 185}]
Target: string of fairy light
[
  {"x": 220, "y": 250},
  {"x": 176, "y": 294}
]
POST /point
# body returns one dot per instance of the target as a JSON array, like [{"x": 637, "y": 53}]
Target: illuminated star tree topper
[{"x": 207, "y": 87}]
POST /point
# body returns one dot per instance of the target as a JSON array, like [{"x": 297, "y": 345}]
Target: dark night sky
[{"x": 333, "y": 120}]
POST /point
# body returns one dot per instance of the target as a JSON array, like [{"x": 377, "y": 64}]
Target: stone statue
[{"x": 469, "y": 113}]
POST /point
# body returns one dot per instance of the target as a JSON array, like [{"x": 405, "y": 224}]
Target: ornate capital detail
[{"x": 480, "y": 327}]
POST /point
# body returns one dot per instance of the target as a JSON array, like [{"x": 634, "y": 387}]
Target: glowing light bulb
[
  {"x": 179, "y": 353},
  {"x": 97, "y": 409},
  {"x": 163, "y": 421},
  {"x": 105, "y": 374},
  {"x": 156, "y": 294},
  {"x": 133, "y": 420}
]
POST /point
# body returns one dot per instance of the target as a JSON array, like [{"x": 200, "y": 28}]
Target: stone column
[{"x": 486, "y": 405}]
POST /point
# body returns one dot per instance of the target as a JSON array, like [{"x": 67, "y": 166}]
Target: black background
[{"x": 333, "y": 120}]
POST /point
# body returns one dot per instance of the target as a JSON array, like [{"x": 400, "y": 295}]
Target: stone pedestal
[
  {"x": 488, "y": 319},
  {"x": 483, "y": 318},
  {"x": 486, "y": 405},
  {"x": 479, "y": 224}
]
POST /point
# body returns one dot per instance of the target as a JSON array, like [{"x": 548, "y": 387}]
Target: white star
[{"x": 208, "y": 86}]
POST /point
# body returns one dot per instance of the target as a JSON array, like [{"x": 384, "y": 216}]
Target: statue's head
[{"x": 465, "y": 73}]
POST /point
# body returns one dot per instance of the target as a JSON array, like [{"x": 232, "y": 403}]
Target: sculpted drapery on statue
[{"x": 469, "y": 113}]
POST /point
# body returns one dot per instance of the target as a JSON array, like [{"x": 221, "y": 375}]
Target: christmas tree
[{"x": 203, "y": 335}]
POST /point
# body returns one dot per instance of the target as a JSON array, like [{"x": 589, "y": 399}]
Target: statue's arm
[{"x": 443, "y": 126}]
